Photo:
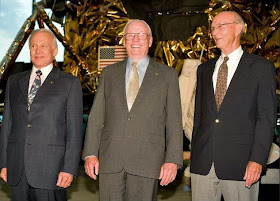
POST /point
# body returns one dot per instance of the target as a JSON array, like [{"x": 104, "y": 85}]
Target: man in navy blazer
[
  {"x": 231, "y": 141},
  {"x": 40, "y": 143}
]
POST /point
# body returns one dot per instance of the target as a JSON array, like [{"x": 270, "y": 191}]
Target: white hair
[
  {"x": 46, "y": 31},
  {"x": 137, "y": 20}
]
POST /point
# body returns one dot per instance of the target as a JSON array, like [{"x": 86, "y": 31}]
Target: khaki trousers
[{"x": 211, "y": 188}]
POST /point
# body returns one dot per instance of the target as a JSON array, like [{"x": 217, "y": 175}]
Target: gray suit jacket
[
  {"x": 47, "y": 139},
  {"x": 141, "y": 140}
]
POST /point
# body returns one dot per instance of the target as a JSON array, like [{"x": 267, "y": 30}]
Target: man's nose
[
  {"x": 214, "y": 32},
  {"x": 38, "y": 49},
  {"x": 136, "y": 37}
]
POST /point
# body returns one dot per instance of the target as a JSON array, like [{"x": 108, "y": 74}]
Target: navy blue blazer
[{"x": 243, "y": 128}]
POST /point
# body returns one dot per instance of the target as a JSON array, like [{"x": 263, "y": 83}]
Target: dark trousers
[
  {"x": 24, "y": 192},
  {"x": 126, "y": 187}
]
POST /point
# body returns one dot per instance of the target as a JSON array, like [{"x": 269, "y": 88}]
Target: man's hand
[
  {"x": 168, "y": 173},
  {"x": 3, "y": 174},
  {"x": 92, "y": 167},
  {"x": 252, "y": 173},
  {"x": 186, "y": 155},
  {"x": 64, "y": 179}
]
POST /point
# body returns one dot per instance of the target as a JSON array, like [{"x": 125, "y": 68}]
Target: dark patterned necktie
[
  {"x": 35, "y": 87},
  {"x": 133, "y": 86},
  {"x": 221, "y": 86}
]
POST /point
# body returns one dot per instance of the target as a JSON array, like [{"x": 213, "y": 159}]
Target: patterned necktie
[
  {"x": 133, "y": 86},
  {"x": 221, "y": 86},
  {"x": 35, "y": 87}
]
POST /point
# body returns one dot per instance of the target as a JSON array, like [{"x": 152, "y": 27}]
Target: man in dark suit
[
  {"x": 41, "y": 131},
  {"x": 134, "y": 137},
  {"x": 235, "y": 116}
]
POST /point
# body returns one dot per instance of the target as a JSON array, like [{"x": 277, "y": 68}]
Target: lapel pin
[
  {"x": 51, "y": 82},
  {"x": 156, "y": 73}
]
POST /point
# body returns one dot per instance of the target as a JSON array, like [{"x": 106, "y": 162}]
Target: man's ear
[
  {"x": 150, "y": 41},
  {"x": 55, "y": 51},
  {"x": 238, "y": 29},
  {"x": 123, "y": 42}
]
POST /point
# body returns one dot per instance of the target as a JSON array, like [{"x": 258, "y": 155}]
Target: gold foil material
[
  {"x": 88, "y": 27},
  {"x": 261, "y": 35},
  {"x": 62, "y": 39}
]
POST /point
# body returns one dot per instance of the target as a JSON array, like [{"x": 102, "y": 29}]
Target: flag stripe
[{"x": 108, "y": 55}]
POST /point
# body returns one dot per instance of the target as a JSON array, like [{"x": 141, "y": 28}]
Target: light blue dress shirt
[{"x": 141, "y": 69}]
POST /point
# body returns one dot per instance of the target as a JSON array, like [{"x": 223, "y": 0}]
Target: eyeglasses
[
  {"x": 219, "y": 26},
  {"x": 141, "y": 36}
]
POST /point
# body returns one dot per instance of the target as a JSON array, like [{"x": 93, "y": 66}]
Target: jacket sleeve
[
  {"x": 174, "y": 130},
  {"x": 5, "y": 127},
  {"x": 197, "y": 106},
  {"x": 266, "y": 114},
  {"x": 74, "y": 136},
  {"x": 95, "y": 121}
]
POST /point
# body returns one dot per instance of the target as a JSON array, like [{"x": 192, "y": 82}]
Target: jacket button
[
  {"x": 217, "y": 121},
  {"x": 29, "y": 125},
  {"x": 129, "y": 118}
]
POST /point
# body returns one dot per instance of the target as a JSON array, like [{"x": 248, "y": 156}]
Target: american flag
[{"x": 110, "y": 54}]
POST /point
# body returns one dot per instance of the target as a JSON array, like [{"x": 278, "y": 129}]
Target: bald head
[
  {"x": 234, "y": 15},
  {"x": 137, "y": 39},
  {"x": 47, "y": 31},
  {"x": 227, "y": 28},
  {"x": 139, "y": 21}
]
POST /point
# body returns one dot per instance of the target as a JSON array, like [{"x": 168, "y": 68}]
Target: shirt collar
[
  {"x": 236, "y": 53},
  {"x": 45, "y": 70},
  {"x": 140, "y": 63}
]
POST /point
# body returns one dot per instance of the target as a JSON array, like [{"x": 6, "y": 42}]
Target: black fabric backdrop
[{"x": 169, "y": 19}]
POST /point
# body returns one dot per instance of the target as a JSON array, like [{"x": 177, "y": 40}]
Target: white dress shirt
[
  {"x": 45, "y": 72},
  {"x": 232, "y": 63}
]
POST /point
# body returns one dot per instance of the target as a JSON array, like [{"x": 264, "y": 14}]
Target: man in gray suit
[
  {"x": 134, "y": 133},
  {"x": 41, "y": 132}
]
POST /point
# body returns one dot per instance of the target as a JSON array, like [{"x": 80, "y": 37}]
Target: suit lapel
[
  {"x": 117, "y": 78},
  {"x": 209, "y": 83},
  {"x": 120, "y": 76},
  {"x": 151, "y": 76},
  {"x": 47, "y": 85},
  {"x": 236, "y": 81},
  {"x": 24, "y": 83}
]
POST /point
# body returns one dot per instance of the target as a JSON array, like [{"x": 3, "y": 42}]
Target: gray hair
[
  {"x": 239, "y": 20},
  {"x": 137, "y": 20},
  {"x": 46, "y": 31}
]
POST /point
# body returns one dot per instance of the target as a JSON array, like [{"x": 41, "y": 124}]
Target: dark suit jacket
[
  {"x": 47, "y": 139},
  {"x": 136, "y": 140},
  {"x": 243, "y": 129}
]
